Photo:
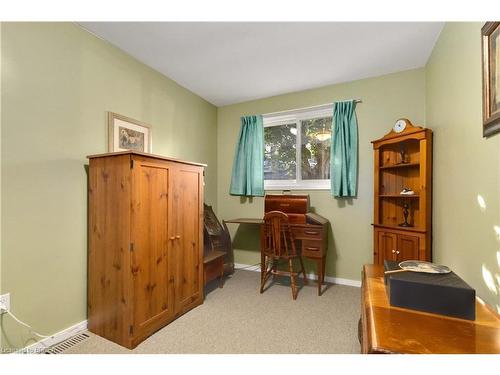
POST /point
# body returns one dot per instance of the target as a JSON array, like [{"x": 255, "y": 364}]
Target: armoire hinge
[
  {"x": 130, "y": 330},
  {"x": 131, "y": 246},
  {"x": 131, "y": 163}
]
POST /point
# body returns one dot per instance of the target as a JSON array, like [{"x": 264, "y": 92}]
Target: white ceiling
[{"x": 232, "y": 62}]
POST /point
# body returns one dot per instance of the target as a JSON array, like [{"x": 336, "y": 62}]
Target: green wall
[
  {"x": 466, "y": 165},
  {"x": 385, "y": 99},
  {"x": 57, "y": 83}
]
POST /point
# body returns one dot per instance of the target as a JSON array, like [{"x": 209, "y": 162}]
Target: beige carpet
[{"x": 238, "y": 319}]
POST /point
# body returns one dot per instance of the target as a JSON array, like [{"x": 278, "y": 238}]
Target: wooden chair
[{"x": 279, "y": 245}]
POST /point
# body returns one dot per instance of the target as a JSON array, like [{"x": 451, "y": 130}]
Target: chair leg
[
  {"x": 263, "y": 269},
  {"x": 303, "y": 271},
  {"x": 264, "y": 272},
  {"x": 292, "y": 279}
]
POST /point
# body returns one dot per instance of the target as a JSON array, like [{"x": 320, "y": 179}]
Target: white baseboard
[
  {"x": 246, "y": 267},
  {"x": 56, "y": 338},
  {"x": 311, "y": 276}
]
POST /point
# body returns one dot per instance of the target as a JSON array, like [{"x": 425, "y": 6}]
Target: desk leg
[
  {"x": 324, "y": 264},
  {"x": 262, "y": 270},
  {"x": 320, "y": 262},
  {"x": 321, "y": 273}
]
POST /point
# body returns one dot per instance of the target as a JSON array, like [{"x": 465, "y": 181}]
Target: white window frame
[{"x": 296, "y": 117}]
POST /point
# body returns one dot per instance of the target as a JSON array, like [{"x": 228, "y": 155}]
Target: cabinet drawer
[
  {"x": 310, "y": 233},
  {"x": 312, "y": 248},
  {"x": 296, "y": 218}
]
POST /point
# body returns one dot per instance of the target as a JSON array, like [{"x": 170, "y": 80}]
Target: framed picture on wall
[
  {"x": 490, "y": 43},
  {"x": 125, "y": 133}
]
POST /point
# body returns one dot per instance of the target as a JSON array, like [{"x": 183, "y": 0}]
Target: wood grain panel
[
  {"x": 188, "y": 247},
  {"x": 407, "y": 247},
  {"x": 151, "y": 271},
  {"x": 390, "y": 153},
  {"x": 387, "y": 245},
  {"x": 108, "y": 254}
]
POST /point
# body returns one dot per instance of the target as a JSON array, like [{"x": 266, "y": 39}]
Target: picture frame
[
  {"x": 490, "y": 49},
  {"x": 125, "y": 133}
]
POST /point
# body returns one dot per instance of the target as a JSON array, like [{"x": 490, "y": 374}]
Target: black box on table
[{"x": 445, "y": 293}]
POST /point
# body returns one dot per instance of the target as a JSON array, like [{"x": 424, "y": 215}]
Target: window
[{"x": 297, "y": 149}]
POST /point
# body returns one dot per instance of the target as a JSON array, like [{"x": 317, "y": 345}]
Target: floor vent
[{"x": 66, "y": 344}]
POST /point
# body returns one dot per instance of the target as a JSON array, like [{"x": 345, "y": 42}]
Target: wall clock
[{"x": 400, "y": 125}]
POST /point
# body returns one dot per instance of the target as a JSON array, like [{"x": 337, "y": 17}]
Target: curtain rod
[{"x": 306, "y": 108}]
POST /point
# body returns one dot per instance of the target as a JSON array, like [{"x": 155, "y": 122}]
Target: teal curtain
[
  {"x": 248, "y": 166},
  {"x": 344, "y": 150}
]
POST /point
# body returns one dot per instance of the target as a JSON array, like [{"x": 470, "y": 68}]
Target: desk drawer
[
  {"x": 312, "y": 248},
  {"x": 311, "y": 233}
]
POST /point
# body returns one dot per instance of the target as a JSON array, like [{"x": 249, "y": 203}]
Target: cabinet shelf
[
  {"x": 396, "y": 166},
  {"x": 397, "y": 227}
]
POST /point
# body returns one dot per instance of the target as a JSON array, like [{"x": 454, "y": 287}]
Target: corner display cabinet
[
  {"x": 145, "y": 260},
  {"x": 403, "y": 194}
]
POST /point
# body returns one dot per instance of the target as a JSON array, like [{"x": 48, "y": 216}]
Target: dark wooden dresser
[{"x": 387, "y": 329}]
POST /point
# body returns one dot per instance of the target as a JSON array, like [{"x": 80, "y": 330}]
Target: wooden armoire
[
  {"x": 402, "y": 222},
  {"x": 145, "y": 249}
]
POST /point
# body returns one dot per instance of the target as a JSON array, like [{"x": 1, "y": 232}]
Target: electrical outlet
[{"x": 4, "y": 303}]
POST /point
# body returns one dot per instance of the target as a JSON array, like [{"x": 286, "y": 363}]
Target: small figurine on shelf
[
  {"x": 407, "y": 191},
  {"x": 402, "y": 152},
  {"x": 405, "y": 214}
]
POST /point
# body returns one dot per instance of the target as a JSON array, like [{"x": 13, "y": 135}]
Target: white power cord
[{"x": 25, "y": 325}]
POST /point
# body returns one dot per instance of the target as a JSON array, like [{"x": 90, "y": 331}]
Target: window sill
[{"x": 295, "y": 189}]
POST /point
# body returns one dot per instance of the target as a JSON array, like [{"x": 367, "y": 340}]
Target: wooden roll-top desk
[{"x": 309, "y": 229}]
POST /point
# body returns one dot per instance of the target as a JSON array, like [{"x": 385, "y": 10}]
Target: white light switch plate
[{"x": 4, "y": 303}]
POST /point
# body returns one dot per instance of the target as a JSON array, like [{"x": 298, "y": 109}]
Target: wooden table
[{"x": 387, "y": 329}]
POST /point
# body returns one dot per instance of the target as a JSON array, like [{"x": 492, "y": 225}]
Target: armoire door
[
  {"x": 187, "y": 202},
  {"x": 387, "y": 245},
  {"x": 152, "y": 271}
]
